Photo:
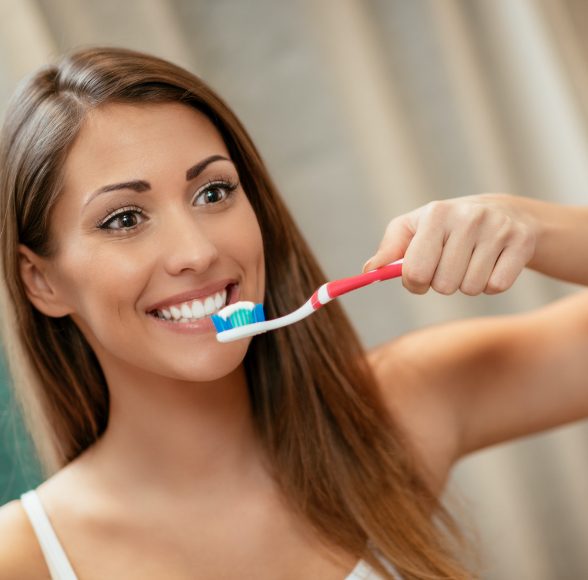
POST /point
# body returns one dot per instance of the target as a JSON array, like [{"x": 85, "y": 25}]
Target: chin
[{"x": 213, "y": 366}]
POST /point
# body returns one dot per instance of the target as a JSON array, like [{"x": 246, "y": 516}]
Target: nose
[{"x": 187, "y": 246}]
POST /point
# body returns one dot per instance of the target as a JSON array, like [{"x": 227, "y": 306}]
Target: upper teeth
[{"x": 194, "y": 309}]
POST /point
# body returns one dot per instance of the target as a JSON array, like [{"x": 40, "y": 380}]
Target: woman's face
[{"x": 170, "y": 230}]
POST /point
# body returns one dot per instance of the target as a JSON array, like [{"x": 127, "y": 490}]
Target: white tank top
[{"x": 61, "y": 569}]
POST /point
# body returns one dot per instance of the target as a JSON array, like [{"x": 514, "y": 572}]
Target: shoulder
[{"x": 20, "y": 554}]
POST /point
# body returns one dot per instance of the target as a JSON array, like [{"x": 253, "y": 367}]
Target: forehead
[{"x": 132, "y": 141}]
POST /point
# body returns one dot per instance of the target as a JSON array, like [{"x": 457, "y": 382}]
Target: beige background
[{"x": 364, "y": 110}]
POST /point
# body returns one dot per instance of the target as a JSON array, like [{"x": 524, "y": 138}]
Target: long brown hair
[{"x": 337, "y": 455}]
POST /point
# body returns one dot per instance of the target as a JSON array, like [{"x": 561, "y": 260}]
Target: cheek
[
  {"x": 91, "y": 277},
  {"x": 250, "y": 245}
]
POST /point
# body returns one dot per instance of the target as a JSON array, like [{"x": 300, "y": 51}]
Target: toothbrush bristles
[{"x": 240, "y": 317}]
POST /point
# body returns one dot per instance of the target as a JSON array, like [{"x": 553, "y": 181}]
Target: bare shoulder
[
  {"x": 20, "y": 555},
  {"x": 406, "y": 388}
]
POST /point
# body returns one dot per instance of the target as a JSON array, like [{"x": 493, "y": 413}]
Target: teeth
[
  {"x": 195, "y": 309},
  {"x": 209, "y": 305}
]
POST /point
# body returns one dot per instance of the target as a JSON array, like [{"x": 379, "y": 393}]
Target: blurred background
[{"x": 363, "y": 110}]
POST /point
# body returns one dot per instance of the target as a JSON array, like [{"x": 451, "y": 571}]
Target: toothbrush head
[{"x": 238, "y": 314}]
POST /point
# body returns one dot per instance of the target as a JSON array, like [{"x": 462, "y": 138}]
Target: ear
[{"x": 40, "y": 291}]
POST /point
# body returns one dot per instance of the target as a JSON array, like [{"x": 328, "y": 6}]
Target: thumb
[{"x": 393, "y": 246}]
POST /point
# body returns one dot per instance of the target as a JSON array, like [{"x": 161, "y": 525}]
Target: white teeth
[
  {"x": 209, "y": 305},
  {"x": 195, "y": 309}
]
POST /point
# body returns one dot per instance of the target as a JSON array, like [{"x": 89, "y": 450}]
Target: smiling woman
[
  {"x": 171, "y": 241},
  {"x": 136, "y": 205}
]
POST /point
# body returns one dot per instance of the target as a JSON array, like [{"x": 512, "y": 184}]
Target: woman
[{"x": 131, "y": 190}]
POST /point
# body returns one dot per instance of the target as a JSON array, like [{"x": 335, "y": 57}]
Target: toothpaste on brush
[{"x": 238, "y": 314}]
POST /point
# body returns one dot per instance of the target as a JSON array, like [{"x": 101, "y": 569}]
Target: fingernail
[{"x": 366, "y": 266}]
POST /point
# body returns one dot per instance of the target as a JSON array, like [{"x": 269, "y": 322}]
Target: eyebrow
[{"x": 140, "y": 185}]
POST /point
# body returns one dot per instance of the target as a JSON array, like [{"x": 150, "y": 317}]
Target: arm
[
  {"x": 471, "y": 384},
  {"x": 519, "y": 375},
  {"x": 463, "y": 386}
]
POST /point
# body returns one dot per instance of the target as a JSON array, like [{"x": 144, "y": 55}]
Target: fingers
[
  {"x": 454, "y": 262},
  {"x": 421, "y": 259},
  {"x": 497, "y": 263},
  {"x": 472, "y": 244},
  {"x": 397, "y": 237},
  {"x": 488, "y": 270},
  {"x": 508, "y": 268},
  {"x": 482, "y": 263}
]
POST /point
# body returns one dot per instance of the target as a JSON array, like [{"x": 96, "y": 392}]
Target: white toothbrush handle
[{"x": 258, "y": 327}]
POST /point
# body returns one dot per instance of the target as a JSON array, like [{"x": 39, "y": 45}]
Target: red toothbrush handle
[{"x": 339, "y": 287}]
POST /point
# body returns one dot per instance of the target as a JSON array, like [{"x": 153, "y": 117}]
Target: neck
[{"x": 171, "y": 436}]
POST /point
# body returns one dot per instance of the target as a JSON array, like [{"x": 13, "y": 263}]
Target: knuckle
[
  {"x": 503, "y": 234},
  {"x": 392, "y": 224},
  {"x": 470, "y": 288},
  {"x": 526, "y": 238},
  {"x": 466, "y": 227},
  {"x": 444, "y": 286},
  {"x": 415, "y": 288},
  {"x": 417, "y": 277},
  {"x": 475, "y": 216},
  {"x": 471, "y": 217},
  {"x": 498, "y": 284},
  {"x": 437, "y": 208}
]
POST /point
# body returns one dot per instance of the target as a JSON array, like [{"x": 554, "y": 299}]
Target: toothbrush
[{"x": 244, "y": 319}]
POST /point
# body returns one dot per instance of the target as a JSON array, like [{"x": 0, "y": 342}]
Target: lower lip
[{"x": 195, "y": 326}]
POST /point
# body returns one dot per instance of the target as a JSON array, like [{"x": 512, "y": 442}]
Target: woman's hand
[{"x": 479, "y": 243}]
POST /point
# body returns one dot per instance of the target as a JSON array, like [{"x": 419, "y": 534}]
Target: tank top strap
[
  {"x": 363, "y": 571},
  {"x": 57, "y": 562}
]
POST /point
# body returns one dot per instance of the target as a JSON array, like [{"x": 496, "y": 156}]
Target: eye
[
  {"x": 215, "y": 193},
  {"x": 124, "y": 218}
]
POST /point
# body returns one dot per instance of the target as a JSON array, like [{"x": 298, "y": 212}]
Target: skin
[
  {"x": 180, "y": 432},
  {"x": 478, "y": 382}
]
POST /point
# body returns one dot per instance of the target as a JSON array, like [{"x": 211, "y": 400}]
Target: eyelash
[{"x": 114, "y": 213}]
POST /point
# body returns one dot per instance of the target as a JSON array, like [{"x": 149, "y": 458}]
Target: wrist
[{"x": 560, "y": 238}]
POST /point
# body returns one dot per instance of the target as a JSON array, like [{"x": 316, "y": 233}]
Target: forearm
[{"x": 562, "y": 238}]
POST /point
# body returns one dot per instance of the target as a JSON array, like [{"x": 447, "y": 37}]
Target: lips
[
  {"x": 195, "y": 326},
  {"x": 194, "y": 294}
]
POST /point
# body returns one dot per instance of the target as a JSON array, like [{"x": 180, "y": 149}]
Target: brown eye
[
  {"x": 215, "y": 193},
  {"x": 124, "y": 219}
]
